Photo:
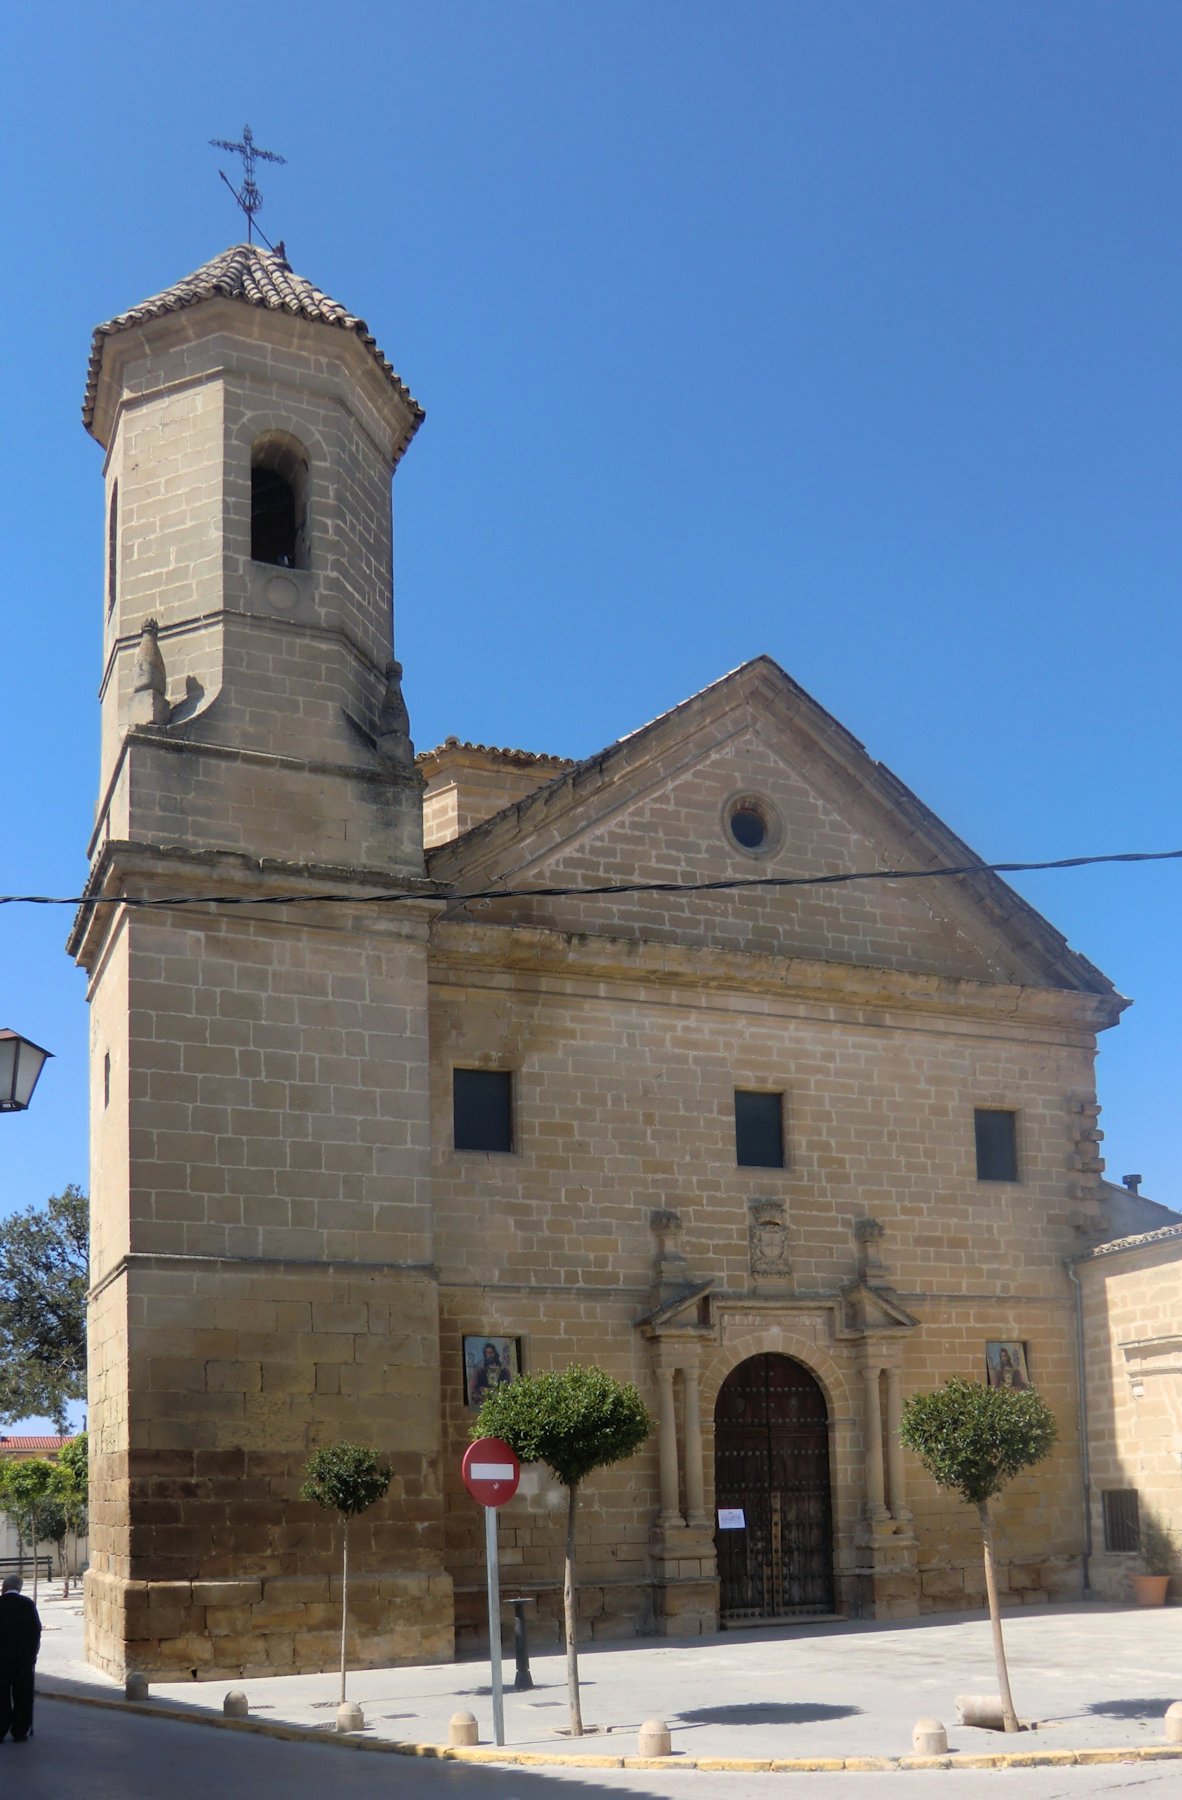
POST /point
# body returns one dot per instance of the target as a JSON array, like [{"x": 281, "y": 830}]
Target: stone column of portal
[
  {"x": 695, "y": 1493},
  {"x": 899, "y": 1507},
  {"x": 667, "y": 1444},
  {"x": 875, "y": 1491}
]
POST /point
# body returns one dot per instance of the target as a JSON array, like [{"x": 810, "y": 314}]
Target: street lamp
[{"x": 20, "y": 1064}]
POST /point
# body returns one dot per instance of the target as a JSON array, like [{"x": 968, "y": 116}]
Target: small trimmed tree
[
  {"x": 27, "y": 1497},
  {"x": 73, "y": 1491},
  {"x": 974, "y": 1440},
  {"x": 346, "y": 1479},
  {"x": 575, "y": 1422}
]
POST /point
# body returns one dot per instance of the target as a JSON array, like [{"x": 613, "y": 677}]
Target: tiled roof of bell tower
[{"x": 259, "y": 277}]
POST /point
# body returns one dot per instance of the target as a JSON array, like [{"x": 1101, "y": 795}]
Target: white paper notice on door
[{"x": 730, "y": 1518}]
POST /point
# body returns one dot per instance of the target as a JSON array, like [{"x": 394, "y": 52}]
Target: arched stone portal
[{"x": 771, "y": 1463}]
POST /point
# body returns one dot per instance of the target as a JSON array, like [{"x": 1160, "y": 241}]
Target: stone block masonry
[
  {"x": 262, "y": 1250},
  {"x": 287, "y": 1247}
]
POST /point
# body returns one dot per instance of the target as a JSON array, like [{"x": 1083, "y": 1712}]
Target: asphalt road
[{"x": 104, "y": 1754}]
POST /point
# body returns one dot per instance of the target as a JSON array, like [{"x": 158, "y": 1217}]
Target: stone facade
[
  {"x": 262, "y": 1261},
  {"x": 1131, "y": 1300},
  {"x": 289, "y": 1249}
]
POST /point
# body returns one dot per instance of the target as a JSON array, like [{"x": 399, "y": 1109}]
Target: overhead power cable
[{"x": 457, "y": 897}]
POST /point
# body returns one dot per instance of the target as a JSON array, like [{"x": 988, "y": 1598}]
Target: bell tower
[{"x": 262, "y": 1263}]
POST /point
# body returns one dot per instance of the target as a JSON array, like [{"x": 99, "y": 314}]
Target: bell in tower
[{"x": 262, "y": 1260}]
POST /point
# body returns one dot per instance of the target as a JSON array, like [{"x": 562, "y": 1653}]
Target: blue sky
[{"x": 844, "y": 332}]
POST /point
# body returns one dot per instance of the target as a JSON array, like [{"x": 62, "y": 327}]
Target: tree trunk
[
  {"x": 36, "y": 1564},
  {"x": 568, "y": 1613},
  {"x": 1008, "y": 1714},
  {"x": 344, "y": 1594}
]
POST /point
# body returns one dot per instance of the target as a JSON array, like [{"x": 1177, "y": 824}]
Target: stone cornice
[
  {"x": 176, "y": 742},
  {"x": 163, "y": 1259},
  {"x": 462, "y": 952},
  {"x": 165, "y": 870},
  {"x": 128, "y": 642}
]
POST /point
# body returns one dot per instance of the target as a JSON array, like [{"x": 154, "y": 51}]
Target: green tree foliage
[
  {"x": 575, "y": 1422},
  {"x": 74, "y": 1462},
  {"x": 44, "y": 1270},
  {"x": 27, "y": 1495},
  {"x": 974, "y": 1440},
  {"x": 346, "y": 1479},
  {"x": 72, "y": 1490}
]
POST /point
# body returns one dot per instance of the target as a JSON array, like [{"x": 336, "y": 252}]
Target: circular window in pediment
[{"x": 753, "y": 824}]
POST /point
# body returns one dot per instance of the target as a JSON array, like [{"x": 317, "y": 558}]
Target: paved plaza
[{"x": 1085, "y": 1677}]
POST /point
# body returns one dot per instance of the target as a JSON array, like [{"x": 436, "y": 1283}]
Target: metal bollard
[{"x": 522, "y": 1679}]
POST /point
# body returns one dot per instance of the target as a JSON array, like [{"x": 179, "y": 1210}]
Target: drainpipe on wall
[{"x": 1084, "y": 1458}]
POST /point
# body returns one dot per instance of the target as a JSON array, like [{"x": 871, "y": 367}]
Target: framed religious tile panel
[
  {"x": 489, "y": 1363},
  {"x": 1005, "y": 1365}
]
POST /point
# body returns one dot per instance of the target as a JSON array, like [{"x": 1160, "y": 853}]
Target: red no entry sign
[{"x": 491, "y": 1471}]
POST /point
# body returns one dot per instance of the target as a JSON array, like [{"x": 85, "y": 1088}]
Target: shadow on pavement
[
  {"x": 772, "y": 1712},
  {"x": 109, "y": 1755},
  {"x": 808, "y": 1627},
  {"x": 1131, "y": 1709},
  {"x": 539, "y": 1687}
]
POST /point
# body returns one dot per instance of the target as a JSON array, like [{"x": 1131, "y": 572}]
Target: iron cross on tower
[{"x": 249, "y": 197}]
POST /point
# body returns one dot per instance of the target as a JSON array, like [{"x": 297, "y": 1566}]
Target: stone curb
[{"x": 559, "y": 1759}]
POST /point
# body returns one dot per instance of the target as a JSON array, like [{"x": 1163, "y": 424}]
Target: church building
[{"x": 391, "y": 1100}]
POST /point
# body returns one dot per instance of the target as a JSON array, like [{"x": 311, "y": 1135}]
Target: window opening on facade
[
  {"x": 482, "y": 1109},
  {"x": 1122, "y": 1519},
  {"x": 278, "y": 502},
  {"x": 759, "y": 1130},
  {"x": 748, "y": 827},
  {"x": 997, "y": 1144},
  {"x": 112, "y": 546},
  {"x": 753, "y": 824}
]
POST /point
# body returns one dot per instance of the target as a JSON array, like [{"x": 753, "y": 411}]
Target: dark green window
[
  {"x": 1122, "y": 1520},
  {"x": 759, "y": 1130},
  {"x": 997, "y": 1145},
  {"x": 482, "y": 1109}
]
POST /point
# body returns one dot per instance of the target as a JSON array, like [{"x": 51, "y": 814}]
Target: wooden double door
[{"x": 771, "y": 1464}]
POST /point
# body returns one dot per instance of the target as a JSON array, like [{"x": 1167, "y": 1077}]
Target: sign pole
[
  {"x": 491, "y": 1472},
  {"x": 494, "y": 1622}
]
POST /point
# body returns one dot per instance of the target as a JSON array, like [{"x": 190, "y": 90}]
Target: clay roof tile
[{"x": 259, "y": 277}]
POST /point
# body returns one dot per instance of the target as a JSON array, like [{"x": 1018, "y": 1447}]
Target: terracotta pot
[{"x": 1150, "y": 1590}]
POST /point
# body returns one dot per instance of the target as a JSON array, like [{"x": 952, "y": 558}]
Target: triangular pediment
[
  {"x": 660, "y": 806},
  {"x": 870, "y": 1309},
  {"x": 677, "y": 1313}
]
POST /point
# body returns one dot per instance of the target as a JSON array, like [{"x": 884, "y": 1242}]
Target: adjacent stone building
[
  {"x": 1130, "y": 1298},
  {"x": 779, "y": 1154}
]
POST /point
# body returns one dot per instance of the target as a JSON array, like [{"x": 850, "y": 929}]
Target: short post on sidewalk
[{"x": 522, "y": 1679}]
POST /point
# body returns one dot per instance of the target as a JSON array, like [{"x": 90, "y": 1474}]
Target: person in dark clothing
[{"x": 20, "y": 1640}]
